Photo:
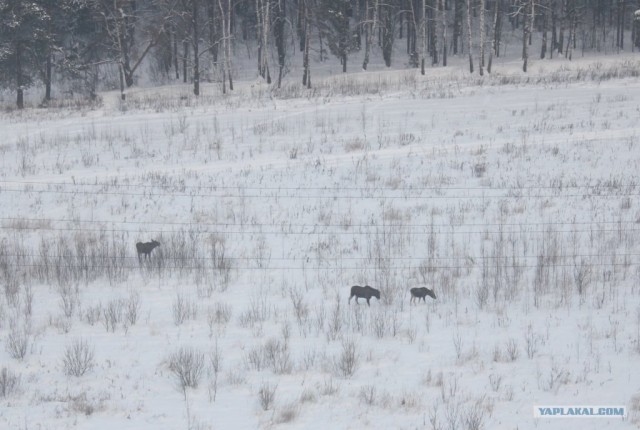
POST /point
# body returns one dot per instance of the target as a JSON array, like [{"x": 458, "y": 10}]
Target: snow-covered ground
[{"x": 513, "y": 196}]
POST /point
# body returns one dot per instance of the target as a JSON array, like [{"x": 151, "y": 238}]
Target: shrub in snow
[
  {"x": 267, "y": 395},
  {"x": 187, "y": 365},
  {"x": 9, "y": 382},
  {"x": 78, "y": 358},
  {"x": 17, "y": 342}
]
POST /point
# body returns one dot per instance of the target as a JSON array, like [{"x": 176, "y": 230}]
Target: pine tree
[
  {"x": 22, "y": 25},
  {"x": 335, "y": 26}
]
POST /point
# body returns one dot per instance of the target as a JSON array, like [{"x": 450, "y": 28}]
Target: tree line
[{"x": 47, "y": 41}]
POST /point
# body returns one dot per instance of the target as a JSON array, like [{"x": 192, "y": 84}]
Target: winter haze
[{"x": 513, "y": 195}]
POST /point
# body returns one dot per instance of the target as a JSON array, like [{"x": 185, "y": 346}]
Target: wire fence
[{"x": 183, "y": 252}]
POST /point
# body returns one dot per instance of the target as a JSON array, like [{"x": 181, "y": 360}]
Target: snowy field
[{"x": 513, "y": 196}]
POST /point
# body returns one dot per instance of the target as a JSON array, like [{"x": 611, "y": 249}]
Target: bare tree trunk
[
  {"x": 213, "y": 32},
  {"x": 554, "y": 32},
  {"x": 121, "y": 75},
  {"x": 569, "y": 16},
  {"x": 498, "y": 29},
  {"x": 263, "y": 12},
  {"x": 345, "y": 35},
  {"x": 636, "y": 29},
  {"x": 412, "y": 35},
  {"x": 196, "y": 47},
  {"x": 370, "y": 26},
  {"x": 279, "y": 34},
  {"x": 306, "y": 80},
  {"x": 126, "y": 65},
  {"x": 412, "y": 26},
  {"x": 432, "y": 12},
  {"x": 622, "y": 17},
  {"x": 260, "y": 30},
  {"x": 619, "y": 24},
  {"x": 543, "y": 49},
  {"x": 119, "y": 39},
  {"x": 185, "y": 56},
  {"x": 358, "y": 20},
  {"x": 424, "y": 36},
  {"x": 482, "y": 31},
  {"x": 572, "y": 36},
  {"x": 47, "y": 75},
  {"x": 494, "y": 39},
  {"x": 306, "y": 76},
  {"x": 321, "y": 50},
  {"x": 560, "y": 39},
  {"x": 226, "y": 24},
  {"x": 19, "y": 83},
  {"x": 532, "y": 11},
  {"x": 433, "y": 33},
  {"x": 121, "y": 44},
  {"x": 444, "y": 32},
  {"x": 125, "y": 41},
  {"x": 409, "y": 21},
  {"x": 469, "y": 36},
  {"x": 367, "y": 34},
  {"x": 387, "y": 18},
  {"x": 525, "y": 35},
  {"x": 300, "y": 25},
  {"x": 457, "y": 26},
  {"x": 228, "y": 44},
  {"x": 303, "y": 16},
  {"x": 633, "y": 36},
  {"x": 175, "y": 53},
  {"x": 48, "y": 65}
]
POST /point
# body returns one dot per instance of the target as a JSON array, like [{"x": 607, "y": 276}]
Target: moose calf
[
  {"x": 146, "y": 248},
  {"x": 421, "y": 293}
]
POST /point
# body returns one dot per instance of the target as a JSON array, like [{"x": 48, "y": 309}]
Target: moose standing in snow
[
  {"x": 365, "y": 292},
  {"x": 146, "y": 248},
  {"x": 421, "y": 293}
]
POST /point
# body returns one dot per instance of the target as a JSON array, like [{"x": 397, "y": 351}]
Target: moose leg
[{"x": 368, "y": 304}]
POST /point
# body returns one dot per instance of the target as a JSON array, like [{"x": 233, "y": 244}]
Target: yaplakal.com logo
[{"x": 556, "y": 411}]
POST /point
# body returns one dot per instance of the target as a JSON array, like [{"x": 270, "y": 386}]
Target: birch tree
[
  {"x": 120, "y": 18},
  {"x": 263, "y": 15},
  {"x": 279, "y": 27},
  {"x": 527, "y": 9},
  {"x": 306, "y": 67},
  {"x": 225, "y": 15},
  {"x": 494, "y": 39},
  {"x": 369, "y": 25},
  {"x": 387, "y": 16}
]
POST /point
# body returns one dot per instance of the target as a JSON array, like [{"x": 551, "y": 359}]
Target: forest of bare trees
[{"x": 45, "y": 43}]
